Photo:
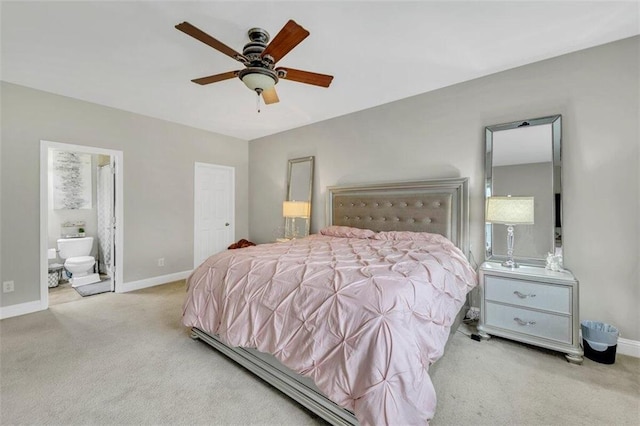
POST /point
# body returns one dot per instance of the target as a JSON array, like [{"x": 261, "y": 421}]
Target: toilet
[{"x": 75, "y": 253}]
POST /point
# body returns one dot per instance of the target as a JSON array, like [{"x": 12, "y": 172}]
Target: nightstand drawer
[
  {"x": 539, "y": 324},
  {"x": 528, "y": 294}
]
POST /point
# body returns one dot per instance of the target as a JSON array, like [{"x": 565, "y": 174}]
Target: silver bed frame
[{"x": 437, "y": 206}]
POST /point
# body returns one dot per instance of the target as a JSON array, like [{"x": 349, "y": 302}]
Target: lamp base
[{"x": 509, "y": 263}]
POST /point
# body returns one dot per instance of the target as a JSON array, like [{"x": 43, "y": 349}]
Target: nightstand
[{"x": 532, "y": 305}]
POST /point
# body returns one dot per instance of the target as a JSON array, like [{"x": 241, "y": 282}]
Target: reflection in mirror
[
  {"x": 297, "y": 206},
  {"x": 523, "y": 159}
]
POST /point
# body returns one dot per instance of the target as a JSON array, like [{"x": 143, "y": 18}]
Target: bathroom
[{"x": 80, "y": 231}]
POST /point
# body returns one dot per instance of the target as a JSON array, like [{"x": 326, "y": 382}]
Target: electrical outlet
[
  {"x": 8, "y": 286},
  {"x": 161, "y": 261}
]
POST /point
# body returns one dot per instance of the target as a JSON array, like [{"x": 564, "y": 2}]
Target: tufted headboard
[{"x": 437, "y": 206}]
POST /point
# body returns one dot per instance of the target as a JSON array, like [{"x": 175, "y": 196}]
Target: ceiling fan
[{"x": 259, "y": 58}]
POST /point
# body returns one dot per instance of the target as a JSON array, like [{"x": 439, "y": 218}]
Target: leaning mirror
[
  {"x": 297, "y": 206},
  {"x": 523, "y": 159}
]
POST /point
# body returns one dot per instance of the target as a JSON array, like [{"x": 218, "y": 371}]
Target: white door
[{"x": 214, "y": 190}]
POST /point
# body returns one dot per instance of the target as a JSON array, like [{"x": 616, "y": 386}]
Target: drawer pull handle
[
  {"x": 524, "y": 323},
  {"x": 522, "y": 295}
]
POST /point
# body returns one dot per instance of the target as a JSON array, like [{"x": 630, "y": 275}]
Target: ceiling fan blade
[
  {"x": 289, "y": 37},
  {"x": 270, "y": 96},
  {"x": 307, "y": 77},
  {"x": 198, "y": 34},
  {"x": 217, "y": 77}
]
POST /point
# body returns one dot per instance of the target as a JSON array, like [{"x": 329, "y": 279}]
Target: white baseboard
[
  {"x": 151, "y": 282},
  {"x": 36, "y": 305},
  {"x": 624, "y": 346},
  {"x": 628, "y": 347},
  {"x": 21, "y": 309}
]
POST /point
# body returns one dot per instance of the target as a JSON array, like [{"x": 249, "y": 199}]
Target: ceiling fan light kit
[
  {"x": 259, "y": 57},
  {"x": 258, "y": 78}
]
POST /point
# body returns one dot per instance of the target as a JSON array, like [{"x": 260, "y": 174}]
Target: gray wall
[
  {"x": 158, "y": 181},
  {"x": 441, "y": 134}
]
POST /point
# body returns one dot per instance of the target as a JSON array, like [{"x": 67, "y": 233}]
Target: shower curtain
[{"x": 105, "y": 217}]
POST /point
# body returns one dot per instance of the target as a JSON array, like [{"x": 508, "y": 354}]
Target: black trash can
[{"x": 599, "y": 341}]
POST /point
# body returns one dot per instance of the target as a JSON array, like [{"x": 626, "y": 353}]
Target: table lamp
[
  {"x": 292, "y": 210},
  {"x": 510, "y": 211}
]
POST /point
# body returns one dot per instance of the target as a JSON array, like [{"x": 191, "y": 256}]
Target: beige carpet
[
  {"x": 63, "y": 293},
  {"x": 125, "y": 359}
]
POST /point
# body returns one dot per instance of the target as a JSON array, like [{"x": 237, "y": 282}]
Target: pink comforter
[{"x": 364, "y": 318}]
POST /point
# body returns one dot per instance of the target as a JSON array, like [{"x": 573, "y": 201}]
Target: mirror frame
[
  {"x": 291, "y": 164},
  {"x": 556, "y": 141}
]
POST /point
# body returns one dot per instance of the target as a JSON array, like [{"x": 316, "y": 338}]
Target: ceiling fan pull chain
[{"x": 258, "y": 101}]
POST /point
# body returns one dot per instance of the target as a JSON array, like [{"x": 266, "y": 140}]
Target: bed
[{"x": 357, "y": 312}]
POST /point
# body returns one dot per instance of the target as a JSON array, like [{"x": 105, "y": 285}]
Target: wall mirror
[
  {"x": 523, "y": 158},
  {"x": 297, "y": 206}
]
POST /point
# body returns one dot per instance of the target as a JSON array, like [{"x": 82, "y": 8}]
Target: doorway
[
  {"x": 92, "y": 208},
  {"x": 214, "y": 210}
]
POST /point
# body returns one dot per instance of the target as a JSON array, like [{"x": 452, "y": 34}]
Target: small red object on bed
[{"x": 241, "y": 244}]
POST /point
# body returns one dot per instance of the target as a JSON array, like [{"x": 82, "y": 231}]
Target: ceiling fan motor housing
[
  {"x": 253, "y": 50},
  {"x": 258, "y": 74}
]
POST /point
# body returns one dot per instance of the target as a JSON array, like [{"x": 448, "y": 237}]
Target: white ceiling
[{"x": 128, "y": 55}]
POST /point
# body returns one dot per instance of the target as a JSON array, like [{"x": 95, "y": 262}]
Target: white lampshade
[
  {"x": 256, "y": 80},
  {"x": 510, "y": 210},
  {"x": 295, "y": 209}
]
